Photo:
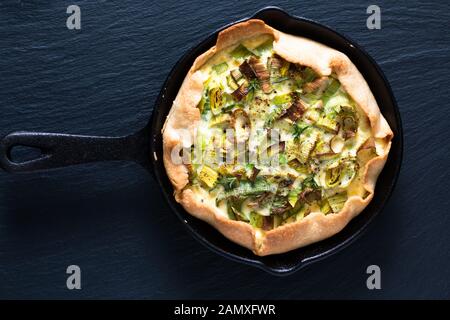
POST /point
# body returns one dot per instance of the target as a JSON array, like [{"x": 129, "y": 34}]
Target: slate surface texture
[{"x": 110, "y": 219}]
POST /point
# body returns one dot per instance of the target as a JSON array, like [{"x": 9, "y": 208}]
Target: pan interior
[{"x": 291, "y": 261}]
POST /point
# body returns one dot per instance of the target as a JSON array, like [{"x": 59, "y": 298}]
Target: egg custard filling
[{"x": 276, "y": 140}]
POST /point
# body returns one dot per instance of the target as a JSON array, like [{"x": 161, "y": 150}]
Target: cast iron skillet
[{"x": 145, "y": 148}]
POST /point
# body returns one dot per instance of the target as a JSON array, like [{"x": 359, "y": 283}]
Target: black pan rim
[{"x": 255, "y": 262}]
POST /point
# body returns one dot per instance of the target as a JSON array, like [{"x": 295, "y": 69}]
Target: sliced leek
[
  {"x": 317, "y": 159},
  {"x": 208, "y": 176},
  {"x": 306, "y": 146},
  {"x": 337, "y": 201}
]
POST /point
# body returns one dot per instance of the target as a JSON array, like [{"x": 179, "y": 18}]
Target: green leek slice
[
  {"x": 220, "y": 120},
  {"x": 282, "y": 99},
  {"x": 284, "y": 68},
  {"x": 231, "y": 83},
  {"x": 308, "y": 75},
  {"x": 246, "y": 189},
  {"x": 327, "y": 123},
  {"x": 216, "y": 100},
  {"x": 220, "y": 68},
  {"x": 240, "y": 52},
  {"x": 332, "y": 88},
  {"x": 265, "y": 46},
  {"x": 208, "y": 176},
  {"x": 293, "y": 197},
  {"x": 307, "y": 145},
  {"x": 325, "y": 207},
  {"x": 337, "y": 201},
  {"x": 256, "y": 219}
]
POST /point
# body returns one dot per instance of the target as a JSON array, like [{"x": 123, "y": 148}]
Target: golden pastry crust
[{"x": 184, "y": 115}]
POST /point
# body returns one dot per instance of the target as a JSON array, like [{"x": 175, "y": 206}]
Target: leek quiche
[{"x": 319, "y": 170}]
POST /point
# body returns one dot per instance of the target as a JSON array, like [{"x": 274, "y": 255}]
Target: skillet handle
[{"x": 60, "y": 150}]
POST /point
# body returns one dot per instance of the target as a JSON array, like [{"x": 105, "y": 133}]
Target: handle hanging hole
[{"x": 21, "y": 153}]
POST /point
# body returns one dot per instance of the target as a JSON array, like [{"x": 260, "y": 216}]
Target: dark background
[{"x": 110, "y": 218}]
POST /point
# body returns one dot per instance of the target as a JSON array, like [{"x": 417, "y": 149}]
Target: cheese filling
[{"x": 276, "y": 141}]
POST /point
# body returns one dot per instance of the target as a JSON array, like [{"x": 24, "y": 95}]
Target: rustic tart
[{"x": 275, "y": 140}]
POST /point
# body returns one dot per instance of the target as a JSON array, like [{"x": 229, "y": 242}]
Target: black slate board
[{"x": 110, "y": 219}]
